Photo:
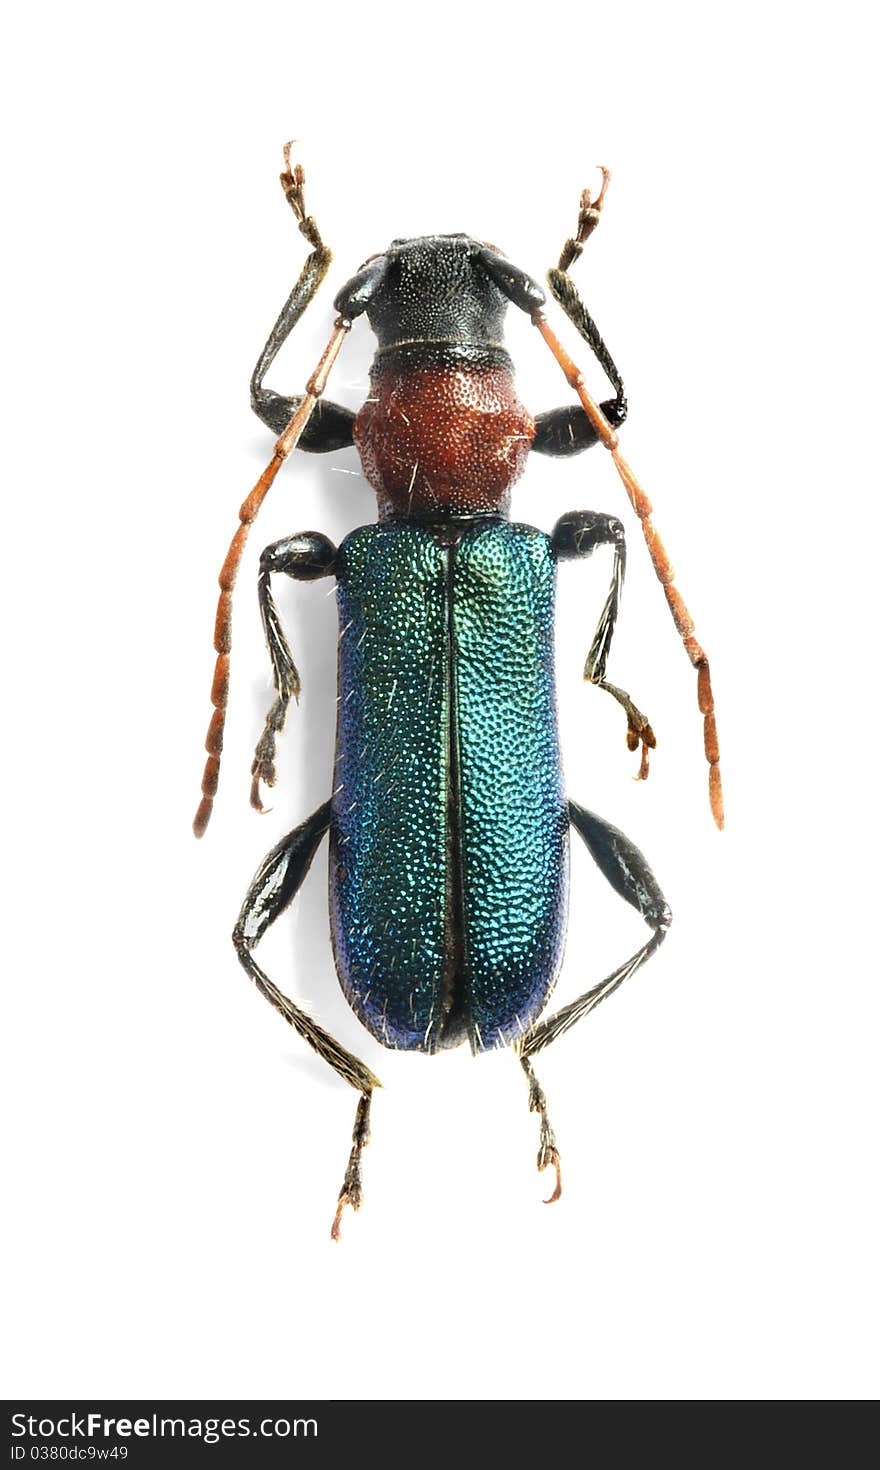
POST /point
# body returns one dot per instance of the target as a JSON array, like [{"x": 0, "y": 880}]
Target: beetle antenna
[
  {"x": 247, "y": 515},
  {"x": 659, "y": 556}
]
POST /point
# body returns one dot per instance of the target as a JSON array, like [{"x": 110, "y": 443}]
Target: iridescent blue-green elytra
[{"x": 449, "y": 831}]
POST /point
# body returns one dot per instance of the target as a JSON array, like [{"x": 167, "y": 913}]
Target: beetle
[{"x": 448, "y": 822}]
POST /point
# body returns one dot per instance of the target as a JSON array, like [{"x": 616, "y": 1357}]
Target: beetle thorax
[{"x": 443, "y": 435}]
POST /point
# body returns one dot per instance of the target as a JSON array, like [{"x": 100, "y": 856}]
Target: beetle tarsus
[
  {"x": 548, "y": 1153},
  {"x": 639, "y": 733},
  {"x": 263, "y": 768},
  {"x": 588, "y": 217},
  {"x": 336, "y": 1227},
  {"x": 256, "y": 798},
  {"x": 638, "y": 726},
  {"x": 351, "y": 1192},
  {"x": 552, "y": 1158},
  {"x": 293, "y": 183}
]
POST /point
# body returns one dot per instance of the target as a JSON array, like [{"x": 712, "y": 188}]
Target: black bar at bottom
[{"x": 122, "y": 1433}]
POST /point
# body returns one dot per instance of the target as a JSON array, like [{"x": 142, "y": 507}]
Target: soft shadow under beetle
[{"x": 448, "y": 822}]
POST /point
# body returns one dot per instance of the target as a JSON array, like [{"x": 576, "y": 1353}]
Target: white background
[{"x": 175, "y": 1151}]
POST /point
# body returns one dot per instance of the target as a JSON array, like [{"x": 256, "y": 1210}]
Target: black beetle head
[{"x": 437, "y": 288}]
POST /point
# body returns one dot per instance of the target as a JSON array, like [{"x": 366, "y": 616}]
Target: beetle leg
[
  {"x": 577, "y": 534},
  {"x": 351, "y": 1192},
  {"x": 304, "y": 557},
  {"x": 548, "y": 1153},
  {"x": 566, "y": 293},
  {"x": 275, "y": 885},
  {"x": 588, "y": 217},
  {"x": 627, "y": 871},
  {"x": 330, "y": 425},
  {"x": 248, "y": 512},
  {"x": 563, "y": 431},
  {"x": 551, "y": 439},
  {"x": 569, "y": 430}
]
